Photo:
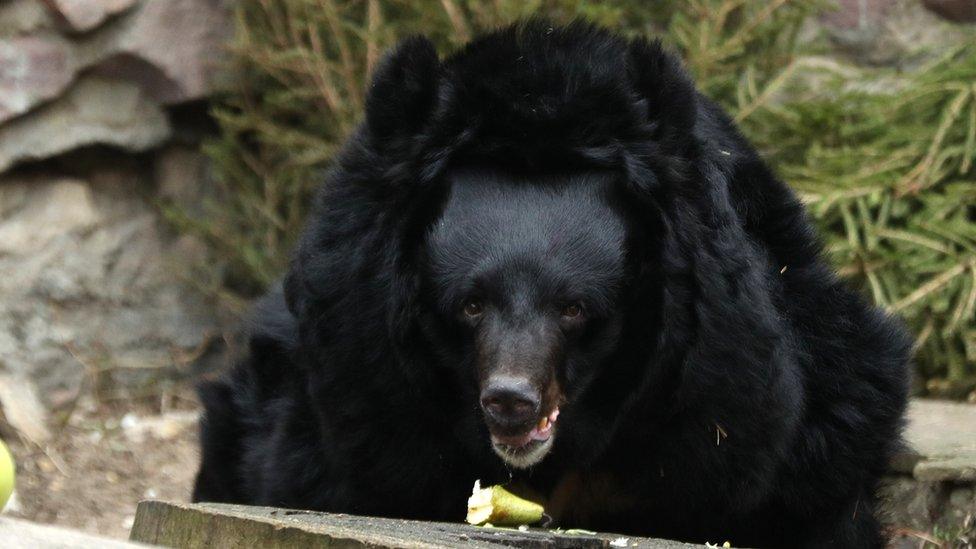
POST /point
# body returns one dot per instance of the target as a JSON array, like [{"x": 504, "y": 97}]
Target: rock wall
[{"x": 95, "y": 99}]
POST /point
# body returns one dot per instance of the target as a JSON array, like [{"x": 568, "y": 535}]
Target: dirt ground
[{"x": 95, "y": 469}]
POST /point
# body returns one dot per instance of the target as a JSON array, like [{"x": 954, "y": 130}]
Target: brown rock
[
  {"x": 900, "y": 33},
  {"x": 858, "y": 25},
  {"x": 23, "y": 16},
  {"x": 860, "y": 15},
  {"x": 172, "y": 49},
  {"x": 94, "y": 112},
  {"x": 85, "y": 15},
  {"x": 912, "y": 504},
  {"x": 58, "y": 207},
  {"x": 960, "y": 11},
  {"x": 90, "y": 281},
  {"x": 33, "y": 69},
  {"x": 182, "y": 176}
]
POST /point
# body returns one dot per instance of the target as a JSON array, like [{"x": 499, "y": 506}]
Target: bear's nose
[{"x": 510, "y": 401}]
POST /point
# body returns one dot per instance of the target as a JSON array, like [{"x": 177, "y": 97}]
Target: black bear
[{"x": 547, "y": 261}]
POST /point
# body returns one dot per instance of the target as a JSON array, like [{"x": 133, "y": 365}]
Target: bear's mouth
[{"x": 525, "y": 449}]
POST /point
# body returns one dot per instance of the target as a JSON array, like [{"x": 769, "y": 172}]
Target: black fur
[{"x": 745, "y": 394}]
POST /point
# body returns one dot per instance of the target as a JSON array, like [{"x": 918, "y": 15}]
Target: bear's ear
[
  {"x": 658, "y": 77},
  {"x": 403, "y": 90}
]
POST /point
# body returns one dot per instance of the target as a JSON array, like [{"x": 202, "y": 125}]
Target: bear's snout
[{"x": 511, "y": 403}]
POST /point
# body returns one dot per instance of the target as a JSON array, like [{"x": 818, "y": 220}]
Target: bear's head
[{"x": 491, "y": 214}]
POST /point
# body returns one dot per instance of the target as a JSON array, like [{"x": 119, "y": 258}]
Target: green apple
[
  {"x": 499, "y": 507},
  {"x": 6, "y": 475}
]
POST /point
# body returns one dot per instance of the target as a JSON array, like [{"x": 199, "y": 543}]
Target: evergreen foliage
[{"x": 885, "y": 161}]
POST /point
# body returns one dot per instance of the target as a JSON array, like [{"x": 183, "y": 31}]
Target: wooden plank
[{"x": 211, "y": 525}]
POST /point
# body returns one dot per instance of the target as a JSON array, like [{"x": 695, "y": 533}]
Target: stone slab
[
  {"x": 94, "y": 112},
  {"x": 941, "y": 436},
  {"x": 21, "y": 534},
  {"x": 222, "y": 525},
  {"x": 85, "y": 15}
]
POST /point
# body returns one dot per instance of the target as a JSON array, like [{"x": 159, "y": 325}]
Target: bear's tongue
[{"x": 541, "y": 431}]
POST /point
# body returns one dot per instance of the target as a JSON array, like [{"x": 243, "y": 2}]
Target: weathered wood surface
[
  {"x": 225, "y": 526},
  {"x": 21, "y": 534}
]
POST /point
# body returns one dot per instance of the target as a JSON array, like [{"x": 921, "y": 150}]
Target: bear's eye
[
  {"x": 473, "y": 308},
  {"x": 572, "y": 311}
]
